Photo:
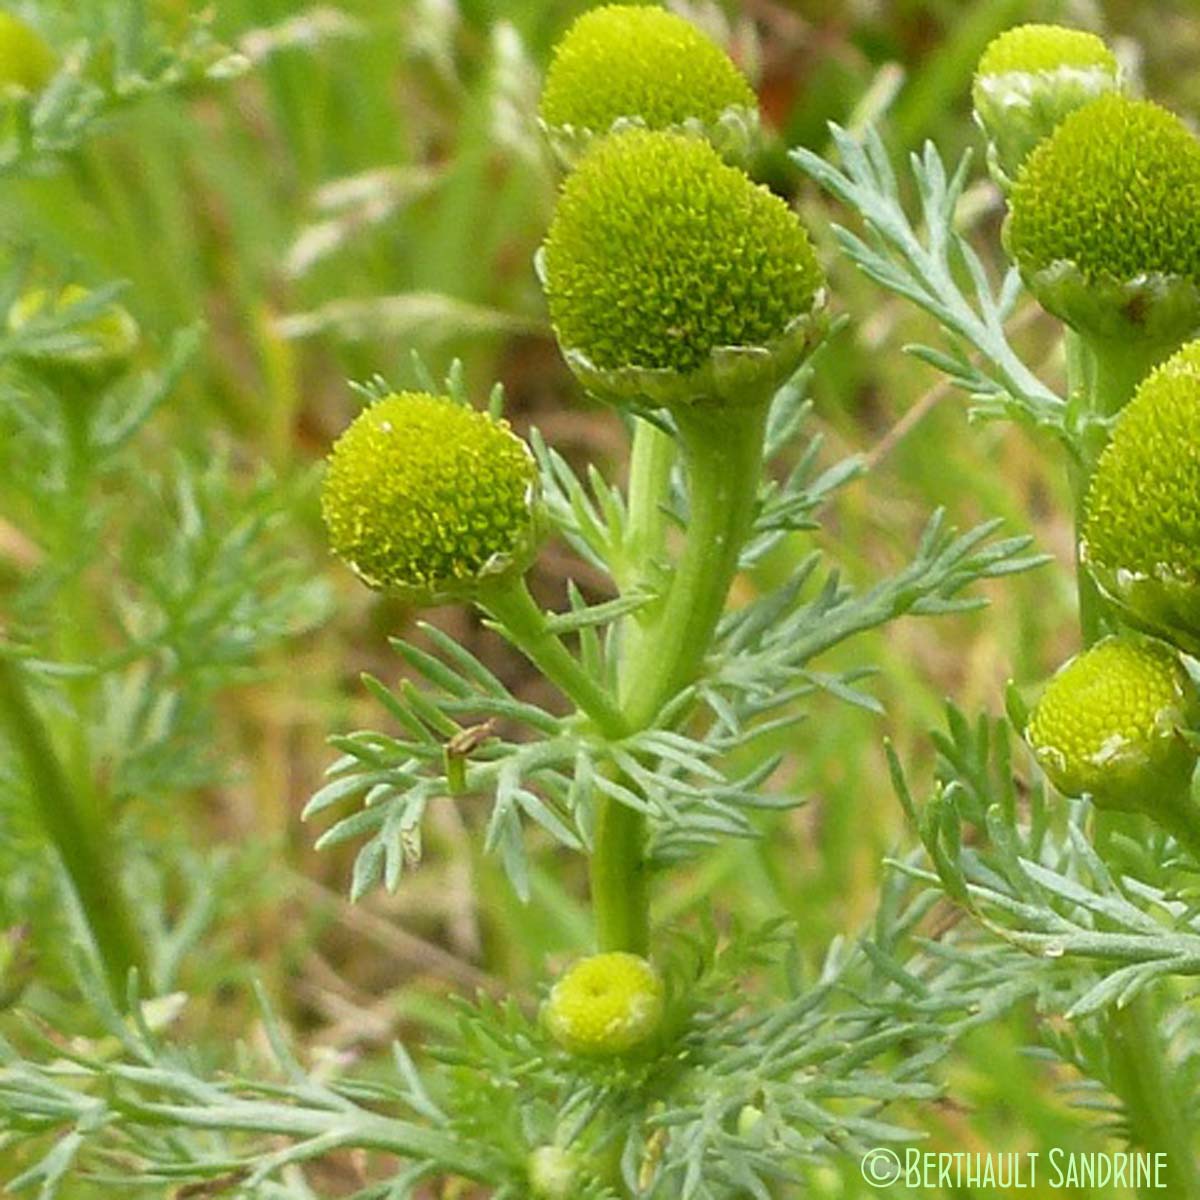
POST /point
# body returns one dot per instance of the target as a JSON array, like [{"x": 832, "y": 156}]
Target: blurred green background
[{"x": 376, "y": 185}]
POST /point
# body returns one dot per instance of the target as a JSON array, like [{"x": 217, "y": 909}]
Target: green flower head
[
  {"x": 1108, "y": 724},
  {"x": 1104, "y": 221},
  {"x": 629, "y": 63},
  {"x": 607, "y": 1004},
  {"x": 429, "y": 498},
  {"x": 1141, "y": 528},
  {"x": 26, "y": 62},
  {"x": 93, "y": 349},
  {"x": 671, "y": 275},
  {"x": 1031, "y": 77}
]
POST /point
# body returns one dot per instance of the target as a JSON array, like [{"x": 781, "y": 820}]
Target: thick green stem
[
  {"x": 525, "y": 624},
  {"x": 1141, "y": 1078},
  {"x": 1101, "y": 381},
  {"x": 620, "y": 889},
  {"x": 83, "y": 845},
  {"x": 652, "y": 458},
  {"x": 1180, "y": 817},
  {"x": 724, "y": 460}
]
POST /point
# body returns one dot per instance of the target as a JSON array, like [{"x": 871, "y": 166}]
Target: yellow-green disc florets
[
  {"x": 428, "y": 497},
  {"x": 26, "y": 62},
  {"x": 1108, "y": 724},
  {"x": 1031, "y": 77},
  {"x": 1109, "y": 202},
  {"x": 660, "y": 254},
  {"x": 631, "y": 63},
  {"x": 607, "y": 1004},
  {"x": 1037, "y": 48},
  {"x": 1141, "y": 529}
]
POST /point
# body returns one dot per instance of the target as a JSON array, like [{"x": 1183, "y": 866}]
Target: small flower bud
[
  {"x": 749, "y": 1122},
  {"x": 630, "y": 64},
  {"x": 672, "y": 278},
  {"x": 26, "y": 62},
  {"x": 604, "y": 1005},
  {"x": 1141, "y": 526},
  {"x": 552, "y": 1173},
  {"x": 1104, "y": 222},
  {"x": 1031, "y": 77},
  {"x": 95, "y": 349},
  {"x": 1109, "y": 724},
  {"x": 429, "y": 498}
]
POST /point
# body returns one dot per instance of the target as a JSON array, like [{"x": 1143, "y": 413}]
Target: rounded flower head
[
  {"x": 1104, "y": 221},
  {"x": 95, "y": 348},
  {"x": 670, "y": 275},
  {"x": 26, "y": 62},
  {"x": 604, "y": 1005},
  {"x": 1108, "y": 724},
  {"x": 1141, "y": 528},
  {"x": 629, "y": 63},
  {"x": 1031, "y": 77},
  {"x": 428, "y": 498}
]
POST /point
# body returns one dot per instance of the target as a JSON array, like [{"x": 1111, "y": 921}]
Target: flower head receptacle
[
  {"x": 26, "y": 61},
  {"x": 606, "y": 1005},
  {"x": 673, "y": 280},
  {"x": 1109, "y": 726},
  {"x": 1028, "y": 80},
  {"x": 429, "y": 499},
  {"x": 1104, "y": 224},
  {"x": 625, "y": 64},
  {"x": 1141, "y": 527},
  {"x": 88, "y": 352}
]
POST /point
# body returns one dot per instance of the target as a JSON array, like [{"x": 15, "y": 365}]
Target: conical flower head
[
  {"x": 625, "y": 63},
  {"x": 607, "y": 1004},
  {"x": 26, "y": 62},
  {"x": 1031, "y": 77},
  {"x": 428, "y": 498},
  {"x": 1141, "y": 528},
  {"x": 1104, "y": 222},
  {"x": 671, "y": 276},
  {"x": 1109, "y": 725}
]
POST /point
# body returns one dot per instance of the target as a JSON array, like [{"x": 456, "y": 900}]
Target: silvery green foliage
[
  {"x": 543, "y": 770},
  {"x": 1104, "y": 921},
  {"x": 925, "y": 267},
  {"x": 149, "y": 583},
  {"x": 114, "y": 53},
  {"x": 500, "y": 1089},
  {"x": 818, "y": 1072},
  {"x": 1107, "y": 915}
]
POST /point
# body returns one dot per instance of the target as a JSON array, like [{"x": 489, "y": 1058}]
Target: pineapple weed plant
[{"x": 665, "y": 1062}]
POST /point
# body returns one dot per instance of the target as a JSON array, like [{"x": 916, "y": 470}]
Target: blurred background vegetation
[{"x": 376, "y": 185}]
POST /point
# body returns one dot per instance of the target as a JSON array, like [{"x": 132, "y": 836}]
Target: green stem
[
  {"x": 1180, "y": 817},
  {"x": 525, "y": 624},
  {"x": 619, "y": 886},
  {"x": 83, "y": 846},
  {"x": 652, "y": 458},
  {"x": 1142, "y": 1079},
  {"x": 650, "y": 463},
  {"x": 1101, "y": 380},
  {"x": 724, "y": 459}
]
